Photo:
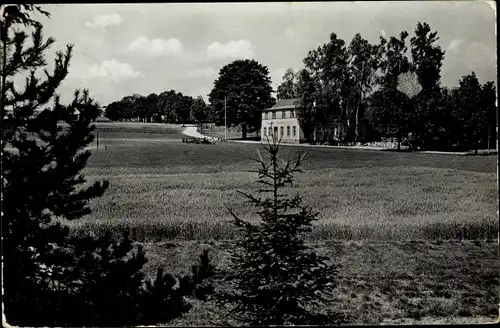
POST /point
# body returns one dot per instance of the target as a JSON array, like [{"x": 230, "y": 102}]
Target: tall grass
[
  {"x": 148, "y": 231},
  {"x": 156, "y": 230},
  {"x": 179, "y": 192}
]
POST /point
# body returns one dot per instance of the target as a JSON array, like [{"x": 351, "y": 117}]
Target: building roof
[{"x": 283, "y": 104}]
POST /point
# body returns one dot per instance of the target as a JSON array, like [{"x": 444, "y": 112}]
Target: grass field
[
  {"x": 179, "y": 191},
  {"x": 389, "y": 282},
  {"x": 124, "y": 133},
  {"x": 392, "y": 221}
]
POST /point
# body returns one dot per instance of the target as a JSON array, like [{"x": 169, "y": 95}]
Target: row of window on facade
[
  {"x": 282, "y": 131},
  {"x": 283, "y": 114}
]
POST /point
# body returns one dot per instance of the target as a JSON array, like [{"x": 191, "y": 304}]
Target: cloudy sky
[{"x": 122, "y": 49}]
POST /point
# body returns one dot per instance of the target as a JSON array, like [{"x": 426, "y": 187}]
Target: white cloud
[
  {"x": 241, "y": 49},
  {"x": 105, "y": 20},
  {"x": 112, "y": 69},
  {"x": 207, "y": 72},
  {"x": 455, "y": 45},
  {"x": 480, "y": 54},
  {"x": 290, "y": 33},
  {"x": 156, "y": 47}
]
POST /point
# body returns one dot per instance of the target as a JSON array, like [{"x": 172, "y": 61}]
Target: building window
[
  {"x": 266, "y": 115},
  {"x": 294, "y": 130},
  {"x": 274, "y": 115},
  {"x": 282, "y": 131},
  {"x": 265, "y": 132},
  {"x": 275, "y": 134},
  {"x": 287, "y": 131},
  {"x": 283, "y": 115},
  {"x": 292, "y": 113}
]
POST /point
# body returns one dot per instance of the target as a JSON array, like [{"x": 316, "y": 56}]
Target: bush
[
  {"x": 111, "y": 289},
  {"x": 164, "y": 298}
]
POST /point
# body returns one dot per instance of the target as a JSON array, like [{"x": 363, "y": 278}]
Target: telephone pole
[
  {"x": 225, "y": 119},
  {"x": 356, "y": 128}
]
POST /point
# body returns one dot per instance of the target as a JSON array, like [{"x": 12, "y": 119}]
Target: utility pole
[
  {"x": 488, "y": 140},
  {"x": 356, "y": 128},
  {"x": 225, "y": 119}
]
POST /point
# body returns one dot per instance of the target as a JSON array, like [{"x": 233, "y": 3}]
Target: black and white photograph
[{"x": 249, "y": 164}]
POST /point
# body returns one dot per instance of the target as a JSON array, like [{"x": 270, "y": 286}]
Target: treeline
[
  {"x": 390, "y": 89},
  {"x": 459, "y": 118},
  {"x": 167, "y": 107}
]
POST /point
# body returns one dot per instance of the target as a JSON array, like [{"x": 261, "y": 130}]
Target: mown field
[
  {"x": 125, "y": 133},
  {"x": 179, "y": 191},
  {"x": 415, "y": 235}
]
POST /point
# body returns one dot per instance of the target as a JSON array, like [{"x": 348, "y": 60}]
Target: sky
[{"x": 122, "y": 49}]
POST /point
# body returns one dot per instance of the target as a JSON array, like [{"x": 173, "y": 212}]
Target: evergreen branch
[{"x": 239, "y": 222}]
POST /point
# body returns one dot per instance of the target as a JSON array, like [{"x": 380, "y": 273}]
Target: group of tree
[
  {"x": 393, "y": 89},
  {"x": 167, "y": 107},
  {"x": 49, "y": 276},
  {"x": 53, "y": 278},
  {"x": 388, "y": 89},
  {"x": 240, "y": 92}
]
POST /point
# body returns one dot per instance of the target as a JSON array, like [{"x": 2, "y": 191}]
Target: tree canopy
[
  {"x": 166, "y": 107},
  {"x": 288, "y": 87},
  {"x": 391, "y": 87},
  {"x": 245, "y": 87}
]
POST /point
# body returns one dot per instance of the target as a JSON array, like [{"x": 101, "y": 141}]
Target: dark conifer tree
[
  {"x": 50, "y": 279},
  {"x": 43, "y": 150},
  {"x": 278, "y": 279}
]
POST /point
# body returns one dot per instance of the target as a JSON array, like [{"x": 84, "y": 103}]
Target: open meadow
[
  {"x": 415, "y": 235},
  {"x": 164, "y": 189}
]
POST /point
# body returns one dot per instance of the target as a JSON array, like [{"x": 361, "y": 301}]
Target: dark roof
[{"x": 284, "y": 104}]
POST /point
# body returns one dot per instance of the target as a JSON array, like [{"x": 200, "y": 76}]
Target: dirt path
[{"x": 191, "y": 131}]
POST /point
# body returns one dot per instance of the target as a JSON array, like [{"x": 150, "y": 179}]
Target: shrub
[
  {"x": 164, "y": 299},
  {"x": 112, "y": 290}
]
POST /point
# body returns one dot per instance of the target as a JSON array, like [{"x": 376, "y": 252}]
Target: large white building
[{"x": 281, "y": 121}]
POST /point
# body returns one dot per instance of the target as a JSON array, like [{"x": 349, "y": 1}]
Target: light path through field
[{"x": 192, "y": 131}]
